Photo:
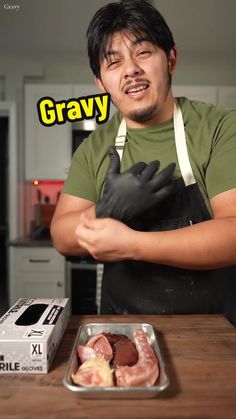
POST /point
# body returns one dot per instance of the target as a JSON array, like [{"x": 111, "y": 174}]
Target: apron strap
[
  {"x": 181, "y": 147},
  {"x": 120, "y": 139},
  {"x": 180, "y": 143}
]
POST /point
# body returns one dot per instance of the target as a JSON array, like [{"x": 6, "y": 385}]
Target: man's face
[{"x": 137, "y": 75}]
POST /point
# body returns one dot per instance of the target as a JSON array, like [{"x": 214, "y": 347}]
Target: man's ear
[
  {"x": 100, "y": 86},
  {"x": 172, "y": 60}
]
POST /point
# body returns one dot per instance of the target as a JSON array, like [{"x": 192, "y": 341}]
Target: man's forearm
[
  {"x": 63, "y": 234},
  {"x": 207, "y": 245}
]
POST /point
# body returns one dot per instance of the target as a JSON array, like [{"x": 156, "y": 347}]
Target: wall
[{"x": 201, "y": 69}]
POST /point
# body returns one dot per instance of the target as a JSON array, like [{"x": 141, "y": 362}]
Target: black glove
[{"x": 135, "y": 191}]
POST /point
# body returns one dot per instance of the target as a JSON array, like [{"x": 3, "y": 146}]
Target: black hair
[{"x": 136, "y": 16}]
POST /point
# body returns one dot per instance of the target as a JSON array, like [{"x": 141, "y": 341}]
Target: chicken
[{"x": 95, "y": 372}]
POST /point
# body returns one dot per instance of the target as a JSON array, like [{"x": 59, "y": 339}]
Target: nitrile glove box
[{"x": 30, "y": 333}]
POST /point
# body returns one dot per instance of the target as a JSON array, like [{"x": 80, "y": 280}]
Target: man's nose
[{"x": 131, "y": 68}]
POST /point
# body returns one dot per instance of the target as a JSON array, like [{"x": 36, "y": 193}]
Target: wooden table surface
[{"x": 200, "y": 357}]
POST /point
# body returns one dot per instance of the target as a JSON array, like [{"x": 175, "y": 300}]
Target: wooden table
[{"x": 200, "y": 356}]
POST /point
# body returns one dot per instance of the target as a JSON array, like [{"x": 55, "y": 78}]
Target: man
[{"x": 166, "y": 235}]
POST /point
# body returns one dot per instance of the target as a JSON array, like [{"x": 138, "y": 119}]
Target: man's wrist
[{"x": 133, "y": 245}]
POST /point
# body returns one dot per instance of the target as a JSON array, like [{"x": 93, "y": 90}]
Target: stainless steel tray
[{"x": 91, "y": 329}]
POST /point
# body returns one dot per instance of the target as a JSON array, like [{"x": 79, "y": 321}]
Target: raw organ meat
[
  {"x": 114, "y": 337},
  {"x": 97, "y": 345},
  {"x": 125, "y": 352}
]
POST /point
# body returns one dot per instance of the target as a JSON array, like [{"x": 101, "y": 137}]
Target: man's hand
[
  {"x": 106, "y": 239},
  {"x": 136, "y": 190}
]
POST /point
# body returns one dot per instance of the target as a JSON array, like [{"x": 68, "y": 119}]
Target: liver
[{"x": 200, "y": 357}]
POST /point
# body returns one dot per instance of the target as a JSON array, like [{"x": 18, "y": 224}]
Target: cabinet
[
  {"x": 47, "y": 148},
  {"x": 36, "y": 272},
  {"x": 221, "y": 95},
  {"x": 206, "y": 94}
]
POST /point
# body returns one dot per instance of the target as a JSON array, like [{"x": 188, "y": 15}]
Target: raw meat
[
  {"x": 97, "y": 345},
  {"x": 94, "y": 373},
  {"x": 146, "y": 371},
  {"x": 125, "y": 352},
  {"x": 108, "y": 354},
  {"x": 85, "y": 353},
  {"x": 114, "y": 337}
]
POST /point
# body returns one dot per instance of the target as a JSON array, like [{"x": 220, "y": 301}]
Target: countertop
[
  {"x": 29, "y": 242},
  {"x": 200, "y": 357}
]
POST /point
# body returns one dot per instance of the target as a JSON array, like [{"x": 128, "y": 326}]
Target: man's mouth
[{"x": 134, "y": 90}]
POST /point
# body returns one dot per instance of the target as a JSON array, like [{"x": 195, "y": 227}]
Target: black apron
[{"x": 136, "y": 287}]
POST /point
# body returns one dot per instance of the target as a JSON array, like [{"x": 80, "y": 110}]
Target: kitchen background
[{"x": 43, "y": 53}]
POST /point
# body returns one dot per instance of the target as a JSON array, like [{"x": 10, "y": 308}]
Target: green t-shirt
[{"x": 211, "y": 141}]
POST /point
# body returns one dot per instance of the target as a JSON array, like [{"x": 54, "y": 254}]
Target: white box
[{"x": 30, "y": 333}]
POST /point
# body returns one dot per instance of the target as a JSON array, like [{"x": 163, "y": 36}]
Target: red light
[{"x": 36, "y": 182}]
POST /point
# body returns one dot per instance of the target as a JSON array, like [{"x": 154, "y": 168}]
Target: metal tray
[{"x": 91, "y": 329}]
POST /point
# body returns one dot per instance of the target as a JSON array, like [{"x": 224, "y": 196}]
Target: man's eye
[
  {"x": 144, "y": 52},
  {"x": 112, "y": 63}
]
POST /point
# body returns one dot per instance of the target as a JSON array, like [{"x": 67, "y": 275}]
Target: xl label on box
[{"x": 36, "y": 350}]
